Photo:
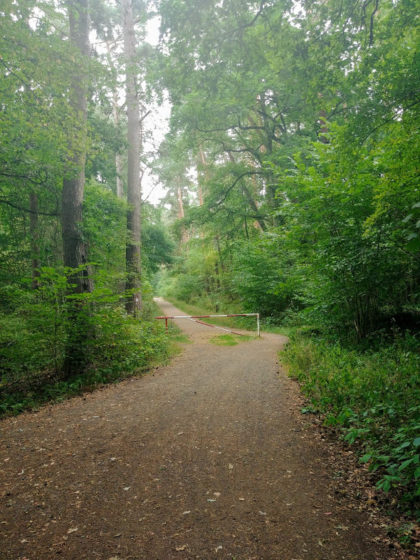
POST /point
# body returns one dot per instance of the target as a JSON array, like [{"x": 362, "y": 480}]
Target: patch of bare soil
[{"x": 204, "y": 459}]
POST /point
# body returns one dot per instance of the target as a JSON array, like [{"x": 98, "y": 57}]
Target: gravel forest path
[{"x": 203, "y": 459}]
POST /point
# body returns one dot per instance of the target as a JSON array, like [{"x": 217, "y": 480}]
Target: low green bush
[
  {"x": 374, "y": 397},
  {"x": 120, "y": 347},
  {"x": 35, "y": 327},
  {"x": 124, "y": 344}
]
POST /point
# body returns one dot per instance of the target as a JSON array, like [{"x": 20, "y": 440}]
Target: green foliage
[
  {"x": 158, "y": 246},
  {"x": 347, "y": 226},
  {"x": 33, "y": 334},
  {"x": 33, "y": 341},
  {"x": 192, "y": 275},
  {"x": 43, "y": 323},
  {"x": 260, "y": 278},
  {"x": 104, "y": 212},
  {"x": 123, "y": 344},
  {"x": 306, "y": 132},
  {"x": 373, "y": 397}
]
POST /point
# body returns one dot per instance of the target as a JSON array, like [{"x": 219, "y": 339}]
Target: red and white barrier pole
[{"x": 166, "y": 317}]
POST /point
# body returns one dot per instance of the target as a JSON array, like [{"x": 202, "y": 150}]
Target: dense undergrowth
[
  {"x": 33, "y": 341},
  {"x": 374, "y": 398}
]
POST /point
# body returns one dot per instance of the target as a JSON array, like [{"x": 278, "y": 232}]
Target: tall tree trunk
[
  {"x": 34, "y": 230},
  {"x": 74, "y": 250},
  {"x": 116, "y": 118},
  {"x": 181, "y": 215},
  {"x": 133, "y": 263},
  {"x": 74, "y": 181},
  {"x": 118, "y": 160}
]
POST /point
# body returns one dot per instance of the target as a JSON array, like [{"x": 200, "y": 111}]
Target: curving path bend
[{"x": 203, "y": 459}]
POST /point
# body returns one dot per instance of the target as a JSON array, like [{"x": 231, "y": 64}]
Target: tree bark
[
  {"x": 118, "y": 162},
  {"x": 116, "y": 118},
  {"x": 74, "y": 181},
  {"x": 133, "y": 263},
  {"x": 74, "y": 249},
  {"x": 181, "y": 214}
]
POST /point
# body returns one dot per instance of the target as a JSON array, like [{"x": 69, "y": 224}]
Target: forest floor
[{"x": 207, "y": 458}]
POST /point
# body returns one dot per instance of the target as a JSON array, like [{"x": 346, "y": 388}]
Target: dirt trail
[{"x": 204, "y": 459}]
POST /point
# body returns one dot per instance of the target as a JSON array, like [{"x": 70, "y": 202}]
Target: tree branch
[
  {"x": 27, "y": 84},
  {"x": 28, "y": 210},
  {"x": 387, "y": 121},
  {"x": 254, "y": 19},
  {"x": 236, "y": 181},
  {"x": 26, "y": 178},
  {"x": 144, "y": 116}
]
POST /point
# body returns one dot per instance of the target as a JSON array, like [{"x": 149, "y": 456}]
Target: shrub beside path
[{"x": 203, "y": 459}]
